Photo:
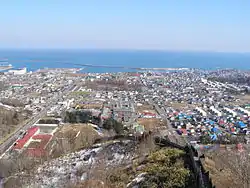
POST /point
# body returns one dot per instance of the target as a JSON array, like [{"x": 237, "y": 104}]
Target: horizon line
[{"x": 124, "y": 49}]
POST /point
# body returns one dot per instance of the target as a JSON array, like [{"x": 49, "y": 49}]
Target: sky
[{"x": 194, "y": 25}]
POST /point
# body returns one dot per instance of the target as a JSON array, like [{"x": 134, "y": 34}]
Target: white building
[
  {"x": 244, "y": 111},
  {"x": 233, "y": 113},
  {"x": 18, "y": 71},
  {"x": 201, "y": 111},
  {"x": 217, "y": 112}
]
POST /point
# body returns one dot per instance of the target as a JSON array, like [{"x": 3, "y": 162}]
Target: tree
[
  {"x": 205, "y": 139},
  {"x": 165, "y": 168},
  {"x": 113, "y": 124},
  {"x": 239, "y": 165},
  {"x": 108, "y": 124},
  {"x": 78, "y": 116},
  {"x": 48, "y": 121}
]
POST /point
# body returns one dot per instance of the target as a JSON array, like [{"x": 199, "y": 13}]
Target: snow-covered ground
[
  {"x": 77, "y": 166},
  {"x": 6, "y": 106}
]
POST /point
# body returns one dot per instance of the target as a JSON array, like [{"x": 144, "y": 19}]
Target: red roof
[
  {"x": 184, "y": 131},
  {"x": 221, "y": 122},
  {"x": 34, "y": 152},
  {"x": 176, "y": 113},
  {"x": 43, "y": 140},
  {"x": 148, "y": 113},
  {"x": 39, "y": 150},
  {"x": 21, "y": 142},
  {"x": 42, "y": 136}
]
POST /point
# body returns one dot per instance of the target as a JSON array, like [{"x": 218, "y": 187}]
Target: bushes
[
  {"x": 78, "y": 116},
  {"x": 165, "y": 168},
  {"x": 81, "y": 116},
  {"x": 114, "y": 125},
  {"x": 48, "y": 121}
]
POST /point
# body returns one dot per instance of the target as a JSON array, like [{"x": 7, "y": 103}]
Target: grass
[{"x": 77, "y": 93}]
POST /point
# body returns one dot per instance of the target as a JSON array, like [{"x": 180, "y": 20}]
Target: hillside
[{"x": 9, "y": 119}]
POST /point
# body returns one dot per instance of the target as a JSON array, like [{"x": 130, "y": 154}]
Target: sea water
[{"x": 36, "y": 59}]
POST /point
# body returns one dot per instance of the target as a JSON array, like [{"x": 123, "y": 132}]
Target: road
[
  {"x": 170, "y": 132},
  {"x": 4, "y": 146},
  {"x": 10, "y": 141}
]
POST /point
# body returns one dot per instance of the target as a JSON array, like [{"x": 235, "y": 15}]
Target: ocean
[{"x": 129, "y": 58}]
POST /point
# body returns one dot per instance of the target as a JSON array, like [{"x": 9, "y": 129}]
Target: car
[{"x": 22, "y": 133}]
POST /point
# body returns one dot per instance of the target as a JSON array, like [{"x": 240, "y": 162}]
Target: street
[{"x": 11, "y": 140}]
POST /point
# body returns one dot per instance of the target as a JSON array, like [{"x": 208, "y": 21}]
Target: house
[{"x": 148, "y": 115}]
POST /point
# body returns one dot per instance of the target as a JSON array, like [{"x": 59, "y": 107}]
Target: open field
[
  {"x": 79, "y": 93},
  {"x": 180, "y": 106},
  {"x": 244, "y": 99},
  {"x": 145, "y": 107},
  {"x": 72, "y": 137},
  {"x": 90, "y": 106},
  {"x": 150, "y": 124}
]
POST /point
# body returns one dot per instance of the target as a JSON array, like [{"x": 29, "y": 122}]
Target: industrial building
[
  {"x": 34, "y": 141},
  {"x": 18, "y": 71}
]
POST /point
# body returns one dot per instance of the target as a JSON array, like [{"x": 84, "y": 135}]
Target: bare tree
[{"x": 239, "y": 165}]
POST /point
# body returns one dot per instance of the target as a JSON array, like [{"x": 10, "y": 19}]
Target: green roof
[
  {"x": 138, "y": 127},
  {"x": 16, "y": 86}
]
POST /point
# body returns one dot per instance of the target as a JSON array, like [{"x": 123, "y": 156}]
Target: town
[{"x": 53, "y": 118}]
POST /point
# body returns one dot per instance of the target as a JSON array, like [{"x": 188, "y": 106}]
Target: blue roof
[
  {"x": 213, "y": 137},
  {"x": 214, "y": 129},
  {"x": 211, "y": 122},
  {"x": 241, "y": 124}
]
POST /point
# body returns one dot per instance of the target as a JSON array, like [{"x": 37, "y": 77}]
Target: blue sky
[{"x": 194, "y": 25}]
